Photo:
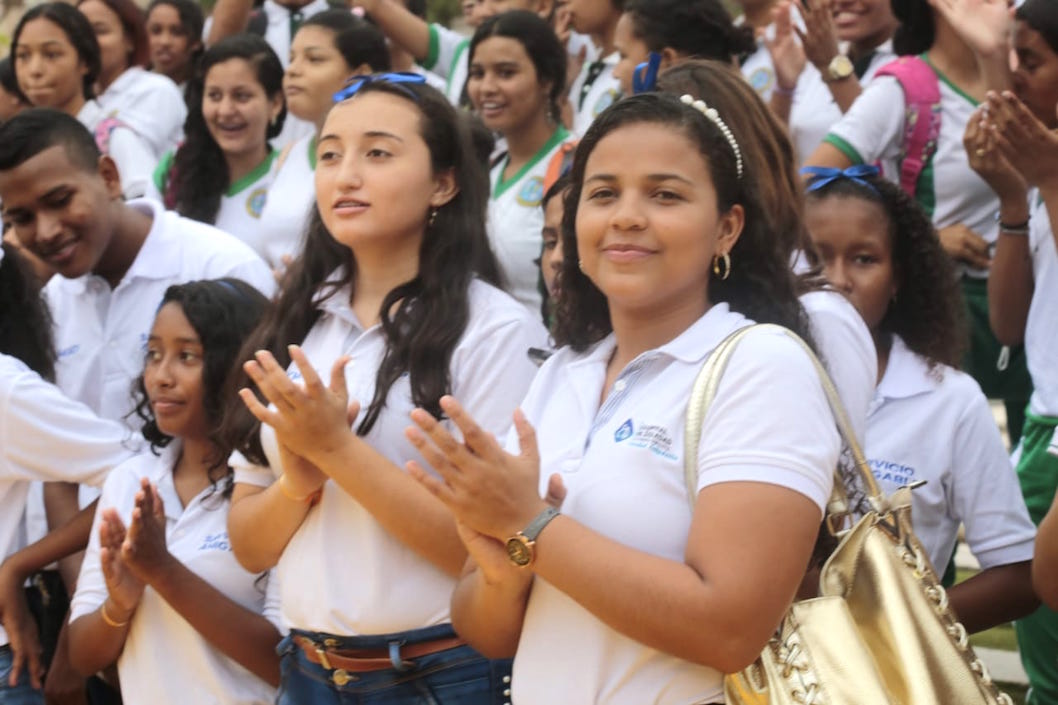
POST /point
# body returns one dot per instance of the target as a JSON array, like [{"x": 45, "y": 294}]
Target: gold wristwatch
[
  {"x": 839, "y": 68},
  {"x": 521, "y": 548}
]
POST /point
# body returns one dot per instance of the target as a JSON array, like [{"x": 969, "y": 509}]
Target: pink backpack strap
[
  {"x": 103, "y": 131},
  {"x": 922, "y": 119}
]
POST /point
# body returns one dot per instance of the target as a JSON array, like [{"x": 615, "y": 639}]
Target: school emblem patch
[
  {"x": 532, "y": 192},
  {"x": 761, "y": 80},
  {"x": 255, "y": 203},
  {"x": 605, "y": 101}
]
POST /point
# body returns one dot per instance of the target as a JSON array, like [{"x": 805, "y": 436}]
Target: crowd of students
[{"x": 346, "y": 358}]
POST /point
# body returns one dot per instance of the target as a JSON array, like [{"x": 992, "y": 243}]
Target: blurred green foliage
[{"x": 443, "y": 11}]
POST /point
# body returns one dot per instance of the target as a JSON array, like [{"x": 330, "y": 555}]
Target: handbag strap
[{"x": 704, "y": 392}]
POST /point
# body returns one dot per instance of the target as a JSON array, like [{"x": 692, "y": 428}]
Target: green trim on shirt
[
  {"x": 434, "y": 49},
  {"x": 460, "y": 51},
  {"x": 254, "y": 176},
  {"x": 502, "y": 185},
  {"x": 312, "y": 152},
  {"x": 925, "y": 194},
  {"x": 844, "y": 147},
  {"x": 161, "y": 172},
  {"x": 947, "y": 81}
]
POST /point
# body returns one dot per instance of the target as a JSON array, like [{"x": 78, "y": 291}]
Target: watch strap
[{"x": 539, "y": 522}]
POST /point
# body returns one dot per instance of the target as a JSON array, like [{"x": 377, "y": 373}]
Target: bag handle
[{"x": 704, "y": 392}]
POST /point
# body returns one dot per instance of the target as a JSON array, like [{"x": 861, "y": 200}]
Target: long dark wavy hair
[
  {"x": 423, "y": 318},
  {"x": 223, "y": 313},
  {"x": 25, "y": 324},
  {"x": 199, "y": 177},
  {"x": 77, "y": 30},
  {"x": 761, "y": 285},
  {"x": 928, "y": 311}
]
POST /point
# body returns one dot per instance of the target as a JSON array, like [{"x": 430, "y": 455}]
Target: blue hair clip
[
  {"x": 645, "y": 76},
  {"x": 821, "y": 175},
  {"x": 355, "y": 83}
]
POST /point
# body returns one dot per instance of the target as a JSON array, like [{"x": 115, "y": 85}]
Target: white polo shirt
[
  {"x": 515, "y": 220},
  {"x": 593, "y": 90},
  {"x": 449, "y": 57},
  {"x": 131, "y": 151},
  {"x": 847, "y": 351},
  {"x": 164, "y": 659},
  {"x": 151, "y": 104},
  {"x": 1041, "y": 330},
  {"x": 242, "y": 204},
  {"x": 284, "y": 220},
  {"x": 277, "y": 33},
  {"x": 45, "y": 435},
  {"x": 937, "y": 426},
  {"x": 951, "y": 192},
  {"x": 101, "y": 333},
  {"x": 814, "y": 112},
  {"x": 622, "y": 464},
  {"x": 342, "y": 572}
]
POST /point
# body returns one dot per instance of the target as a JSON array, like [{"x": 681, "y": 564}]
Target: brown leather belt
[{"x": 366, "y": 660}]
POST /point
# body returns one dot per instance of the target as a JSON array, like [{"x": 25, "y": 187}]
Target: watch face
[
  {"x": 519, "y": 551},
  {"x": 841, "y": 67}
]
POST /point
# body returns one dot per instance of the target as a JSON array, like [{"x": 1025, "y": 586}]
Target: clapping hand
[
  {"x": 1021, "y": 139},
  {"x": 144, "y": 550}
]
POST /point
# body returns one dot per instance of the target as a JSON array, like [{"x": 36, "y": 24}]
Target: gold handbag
[{"x": 882, "y": 631}]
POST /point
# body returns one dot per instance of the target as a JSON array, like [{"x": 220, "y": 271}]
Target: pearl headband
[{"x": 715, "y": 118}]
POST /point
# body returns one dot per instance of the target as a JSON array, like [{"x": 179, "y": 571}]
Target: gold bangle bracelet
[
  {"x": 285, "y": 489},
  {"x": 110, "y": 621}
]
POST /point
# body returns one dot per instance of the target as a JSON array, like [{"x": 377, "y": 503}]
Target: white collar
[{"x": 907, "y": 374}]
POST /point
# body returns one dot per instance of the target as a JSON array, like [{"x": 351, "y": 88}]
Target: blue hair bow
[
  {"x": 355, "y": 83},
  {"x": 821, "y": 175},
  {"x": 645, "y": 76}
]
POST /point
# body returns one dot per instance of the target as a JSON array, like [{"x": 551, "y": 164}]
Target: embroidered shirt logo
[
  {"x": 624, "y": 432},
  {"x": 531, "y": 193},
  {"x": 256, "y": 202},
  {"x": 216, "y": 542},
  {"x": 890, "y": 472},
  {"x": 656, "y": 439},
  {"x": 66, "y": 352}
]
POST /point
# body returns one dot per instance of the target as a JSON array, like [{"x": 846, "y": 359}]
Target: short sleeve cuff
[
  {"x": 770, "y": 471},
  {"x": 844, "y": 147},
  {"x": 247, "y": 473},
  {"x": 434, "y": 50}
]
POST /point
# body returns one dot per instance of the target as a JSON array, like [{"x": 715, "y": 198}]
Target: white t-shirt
[
  {"x": 101, "y": 333},
  {"x": 847, "y": 351},
  {"x": 164, "y": 660},
  {"x": 594, "y": 90},
  {"x": 814, "y": 112},
  {"x": 449, "y": 58},
  {"x": 1041, "y": 329},
  {"x": 622, "y": 465},
  {"x": 149, "y": 103},
  {"x": 285, "y": 218},
  {"x": 131, "y": 152},
  {"x": 937, "y": 426},
  {"x": 46, "y": 436},
  {"x": 241, "y": 207},
  {"x": 515, "y": 220},
  {"x": 385, "y": 586},
  {"x": 873, "y": 131}
]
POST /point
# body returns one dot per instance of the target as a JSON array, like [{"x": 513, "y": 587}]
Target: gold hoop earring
[{"x": 723, "y": 272}]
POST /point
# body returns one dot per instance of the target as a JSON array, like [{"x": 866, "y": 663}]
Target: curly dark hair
[
  {"x": 695, "y": 28},
  {"x": 422, "y": 319},
  {"x": 199, "y": 177},
  {"x": 761, "y": 284},
  {"x": 223, "y": 313},
  {"x": 928, "y": 312},
  {"x": 77, "y": 30},
  {"x": 25, "y": 324},
  {"x": 540, "y": 43}
]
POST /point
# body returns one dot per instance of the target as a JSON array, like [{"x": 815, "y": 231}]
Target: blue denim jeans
[
  {"x": 455, "y": 676},
  {"x": 21, "y": 694}
]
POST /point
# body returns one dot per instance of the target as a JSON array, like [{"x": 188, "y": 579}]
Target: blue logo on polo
[
  {"x": 216, "y": 542},
  {"x": 624, "y": 432},
  {"x": 532, "y": 192}
]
